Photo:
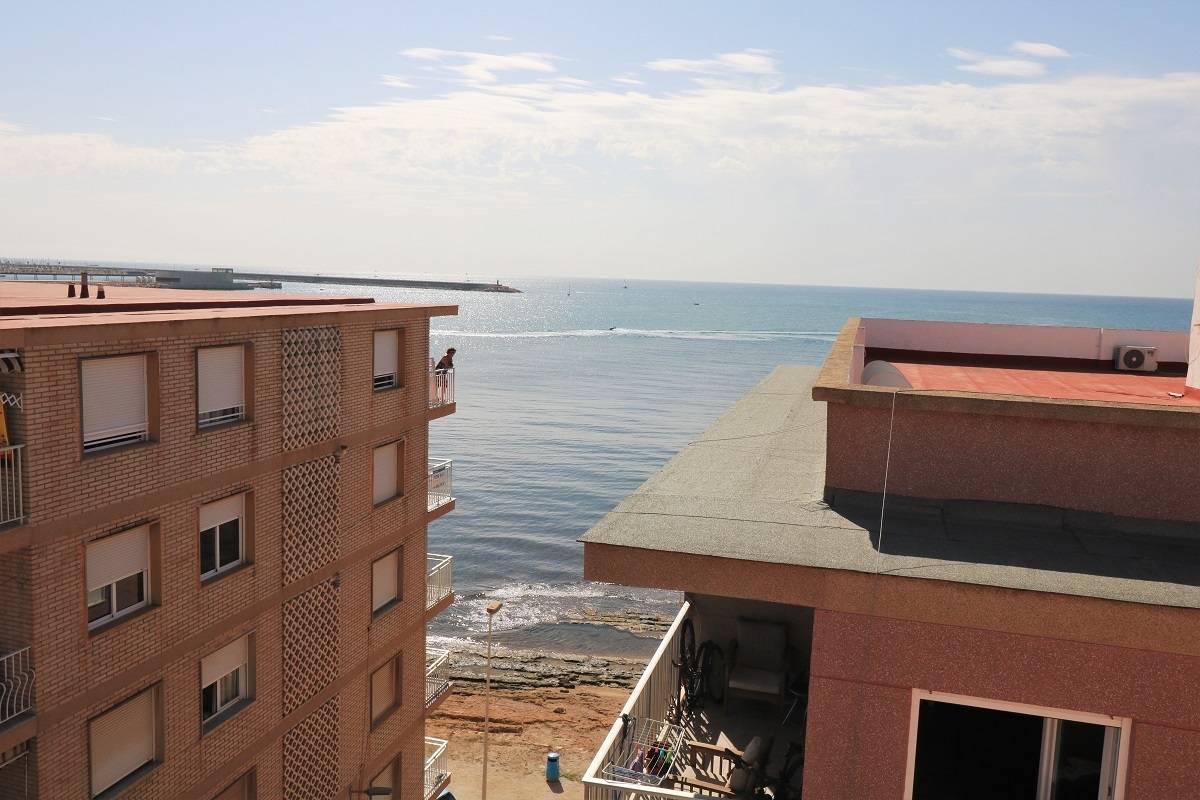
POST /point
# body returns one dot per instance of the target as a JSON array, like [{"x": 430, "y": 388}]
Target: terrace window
[
  {"x": 389, "y": 777},
  {"x": 123, "y": 740},
  {"x": 118, "y": 572},
  {"x": 388, "y": 369},
  {"x": 968, "y": 747},
  {"x": 220, "y": 385},
  {"x": 385, "y": 690},
  {"x": 386, "y": 581},
  {"x": 241, "y": 789},
  {"x": 224, "y": 678},
  {"x": 222, "y": 527},
  {"x": 115, "y": 409}
]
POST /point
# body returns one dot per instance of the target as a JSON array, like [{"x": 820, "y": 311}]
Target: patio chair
[
  {"x": 758, "y": 661},
  {"x": 724, "y": 771}
]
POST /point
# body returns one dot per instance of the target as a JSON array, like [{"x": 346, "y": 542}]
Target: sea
[{"x": 572, "y": 393}]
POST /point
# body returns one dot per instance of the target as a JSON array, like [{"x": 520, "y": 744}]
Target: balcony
[
  {"x": 440, "y": 483},
  {"x": 12, "y": 507},
  {"x": 697, "y": 739},
  {"x": 437, "y": 676},
  {"x": 438, "y": 585},
  {"x": 441, "y": 386},
  {"x": 16, "y": 685},
  {"x": 437, "y": 774}
]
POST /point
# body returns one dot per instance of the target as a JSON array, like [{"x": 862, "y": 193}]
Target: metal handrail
[
  {"x": 16, "y": 684},
  {"x": 436, "y": 773},
  {"x": 12, "y": 503},
  {"x": 440, "y": 483},
  {"x": 441, "y": 386},
  {"x": 437, "y": 674},
  {"x": 438, "y": 582},
  {"x": 651, "y": 698}
]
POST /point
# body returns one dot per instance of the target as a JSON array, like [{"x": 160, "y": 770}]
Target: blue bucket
[{"x": 551, "y": 766}]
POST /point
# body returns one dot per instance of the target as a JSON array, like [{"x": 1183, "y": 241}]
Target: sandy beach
[{"x": 525, "y": 725}]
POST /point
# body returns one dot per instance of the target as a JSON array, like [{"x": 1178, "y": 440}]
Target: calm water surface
[{"x": 573, "y": 393}]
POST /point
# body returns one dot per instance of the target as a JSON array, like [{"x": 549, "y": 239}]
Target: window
[
  {"x": 220, "y": 385},
  {"x": 386, "y": 580},
  {"x": 388, "y": 373},
  {"x": 968, "y": 747},
  {"x": 118, "y": 573},
  {"x": 224, "y": 678},
  {"x": 222, "y": 543},
  {"x": 123, "y": 740},
  {"x": 385, "y": 690},
  {"x": 388, "y": 777},
  {"x": 387, "y": 477},
  {"x": 114, "y": 402},
  {"x": 241, "y": 789}
]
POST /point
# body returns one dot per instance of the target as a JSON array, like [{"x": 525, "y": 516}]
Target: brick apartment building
[
  {"x": 213, "y": 561},
  {"x": 957, "y": 561}
]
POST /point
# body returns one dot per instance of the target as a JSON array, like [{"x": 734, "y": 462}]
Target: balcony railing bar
[
  {"x": 437, "y": 674},
  {"x": 441, "y": 386},
  {"x": 16, "y": 684},
  {"x": 440, "y": 483},
  {"x": 438, "y": 583},
  {"x": 651, "y": 698},
  {"x": 12, "y": 504},
  {"x": 436, "y": 772}
]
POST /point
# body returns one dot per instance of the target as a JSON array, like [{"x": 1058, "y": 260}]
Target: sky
[{"x": 1014, "y": 146}]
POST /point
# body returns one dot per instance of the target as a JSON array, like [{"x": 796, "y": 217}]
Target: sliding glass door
[{"x": 991, "y": 750}]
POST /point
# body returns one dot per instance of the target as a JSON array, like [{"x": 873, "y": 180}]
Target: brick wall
[{"x": 321, "y": 549}]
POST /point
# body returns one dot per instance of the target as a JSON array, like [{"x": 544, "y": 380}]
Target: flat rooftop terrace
[
  {"x": 1080, "y": 383},
  {"x": 752, "y": 487},
  {"x": 30, "y": 298}
]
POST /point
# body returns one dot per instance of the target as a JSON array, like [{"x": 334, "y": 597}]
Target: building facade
[
  {"x": 214, "y": 559},
  {"x": 955, "y": 561}
]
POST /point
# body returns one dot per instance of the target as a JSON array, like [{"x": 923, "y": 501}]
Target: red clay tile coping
[{"x": 833, "y": 385}]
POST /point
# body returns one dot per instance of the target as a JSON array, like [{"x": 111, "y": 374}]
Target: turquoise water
[{"x": 573, "y": 393}]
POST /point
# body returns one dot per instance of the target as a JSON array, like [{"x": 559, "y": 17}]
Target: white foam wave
[{"x": 700, "y": 335}]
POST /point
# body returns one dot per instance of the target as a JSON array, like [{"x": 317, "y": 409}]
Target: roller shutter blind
[
  {"x": 121, "y": 741},
  {"x": 213, "y": 514},
  {"x": 385, "y": 472},
  {"x": 214, "y": 665},
  {"x": 387, "y": 354},
  {"x": 220, "y": 381},
  {"x": 114, "y": 400},
  {"x": 384, "y": 580},
  {"x": 383, "y": 689},
  {"x": 117, "y": 556}
]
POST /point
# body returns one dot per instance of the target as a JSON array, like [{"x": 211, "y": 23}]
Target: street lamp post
[{"x": 492, "y": 608}]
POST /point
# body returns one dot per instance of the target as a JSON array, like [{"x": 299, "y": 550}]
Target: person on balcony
[{"x": 447, "y": 361}]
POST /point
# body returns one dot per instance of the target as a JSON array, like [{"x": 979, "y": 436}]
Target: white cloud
[
  {"x": 745, "y": 62},
  {"x": 982, "y": 64},
  {"x": 483, "y": 67},
  {"x": 629, "y": 79},
  {"x": 1039, "y": 50},
  {"x": 1005, "y": 67},
  {"x": 395, "y": 81}
]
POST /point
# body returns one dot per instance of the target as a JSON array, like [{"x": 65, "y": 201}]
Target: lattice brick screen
[
  {"x": 310, "y": 756},
  {"x": 310, "y": 643},
  {"x": 310, "y": 517},
  {"x": 310, "y": 385}
]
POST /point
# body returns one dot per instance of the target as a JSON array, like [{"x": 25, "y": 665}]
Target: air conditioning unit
[{"x": 1135, "y": 358}]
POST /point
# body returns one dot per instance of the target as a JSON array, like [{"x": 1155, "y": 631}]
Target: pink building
[{"x": 956, "y": 561}]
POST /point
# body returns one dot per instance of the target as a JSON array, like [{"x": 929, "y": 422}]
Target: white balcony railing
[
  {"x": 437, "y": 774},
  {"x": 653, "y": 698},
  {"x": 441, "y": 386},
  {"x": 438, "y": 583},
  {"x": 12, "y": 507},
  {"x": 440, "y": 483},
  {"x": 16, "y": 684},
  {"x": 437, "y": 674}
]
